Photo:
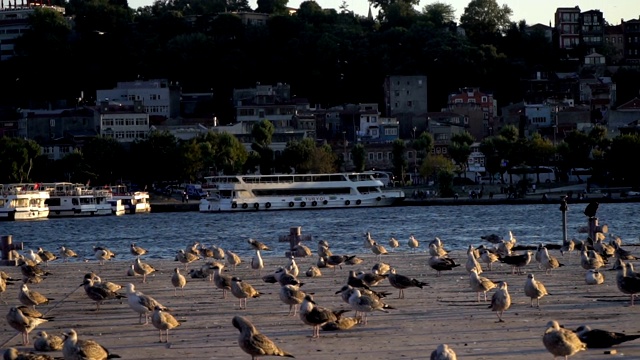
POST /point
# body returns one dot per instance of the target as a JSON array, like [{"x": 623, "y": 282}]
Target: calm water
[{"x": 458, "y": 226}]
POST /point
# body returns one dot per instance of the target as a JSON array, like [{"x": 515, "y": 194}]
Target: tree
[
  {"x": 106, "y": 159},
  {"x": 484, "y": 20},
  {"x": 16, "y": 159},
  {"x": 433, "y": 164},
  {"x": 359, "y": 155},
  {"x": 272, "y": 6},
  {"x": 618, "y": 159},
  {"x": 423, "y": 145},
  {"x": 262, "y": 133},
  {"x": 399, "y": 161},
  {"x": 492, "y": 158},
  {"x": 540, "y": 152},
  {"x": 439, "y": 14},
  {"x": 460, "y": 149},
  {"x": 159, "y": 146}
]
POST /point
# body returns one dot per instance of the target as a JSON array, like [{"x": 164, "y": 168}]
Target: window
[
  {"x": 119, "y": 122},
  {"x": 371, "y": 156},
  {"x": 458, "y": 101},
  {"x": 409, "y": 103},
  {"x": 484, "y": 99},
  {"x": 390, "y": 131},
  {"x": 471, "y": 101},
  {"x": 444, "y": 150},
  {"x": 379, "y": 156},
  {"x": 107, "y": 122},
  {"x": 130, "y": 134},
  {"x": 130, "y": 122},
  {"x": 119, "y": 135}
]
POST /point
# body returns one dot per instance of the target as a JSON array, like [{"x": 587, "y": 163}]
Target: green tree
[
  {"x": 16, "y": 159},
  {"x": 159, "y": 146},
  {"x": 262, "y": 133},
  {"x": 398, "y": 149},
  {"x": 272, "y": 6},
  {"x": 484, "y": 20},
  {"x": 106, "y": 159},
  {"x": 492, "y": 158},
  {"x": 460, "y": 149},
  {"x": 433, "y": 164},
  {"x": 540, "y": 152},
  {"x": 423, "y": 146},
  {"x": 299, "y": 155},
  {"x": 439, "y": 13},
  {"x": 359, "y": 154}
]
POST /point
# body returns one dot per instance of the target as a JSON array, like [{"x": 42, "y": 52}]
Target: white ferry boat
[
  {"x": 69, "y": 199},
  {"x": 135, "y": 202},
  {"x": 103, "y": 206},
  {"x": 298, "y": 191},
  {"x": 116, "y": 207},
  {"x": 23, "y": 202}
]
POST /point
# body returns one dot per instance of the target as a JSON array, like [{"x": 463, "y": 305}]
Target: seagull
[
  {"x": 143, "y": 269},
  {"x": 301, "y": 251},
  {"x": 370, "y": 279},
  {"x": 46, "y": 342},
  {"x": 292, "y": 296},
  {"x": 232, "y": 259},
  {"x": 402, "y": 282},
  {"x": 14, "y": 354},
  {"x": 472, "y": 263},
  {"x": 380, "y": 268},
  {"x": 534, "y": 289},
  {"x": 313, "y": 271},
  {"x": 75, "y": 349},
  {"x": 378, "y": 250},
  {"x": 368, "y": 241},
  {"x": 591, "y": 209},
  {"x": 163, "y": 321},
  {"x": 492, "y": 238},
  {"x": 141, "y": 303},
  {"x": 256, "y": 262},
  {"x": 366, "y": 304},
  {"x": 393, "y": 243},
  {"x": 99, "y": 293},
  {"x": 337, "y": 260},
  {"x": 501, "y": 300},
  {"x": 599, "y": 339},
  {"x": 345, "y": 323},
  {"x": 316, "y": 316},
  {"x": 480, "y": 284},
  {"x": 441, "y": 263},
  {"x": 413, "y": 243},
  {"x": 487, "y": 257},
  {"x": 284, "y": 278},
  {"x": 102, "y": 255},
  {"x": 354, "y": 261},
  {"x": 137, "y": 250},
  {"x": 560, "y": 341},
  {"x": 590, "y": 259},
  {"x": 66, "y": 253},
  {"x": 257, "y": 245},
  {"x": 31, "y": 255},
  {"x": 46, "y": 256},
  {"x": 178, "y": 281},
  {"x": 517, "y": 261},
  {"x": 627, "y": 282},
  {"x": 435, "y": 250},
  {"x": 23, "y": 323},
  {"x": 549, "y": 262},
  {"x": 186, "y": 258},
  {"x": 292, "y": 267},
  {"x": 255, "y": 343},
  {"x": 593, "y": 277},
  {"x": 354, "y": 281},
  {"x": 32, "y": 298},
  {"x": 243, "y": 291},
  {"x": 221, "y": 281},
  {"x": 621, "y": 253},
  {"x": 568, "y": 246},
  {"x": 218, "y": 252},
  {"x": 443, "y": 352}
]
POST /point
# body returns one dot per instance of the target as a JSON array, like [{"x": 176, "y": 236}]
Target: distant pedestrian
[{"x": 184, "y": 196}]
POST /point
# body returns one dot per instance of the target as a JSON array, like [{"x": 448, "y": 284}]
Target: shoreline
[{"x": 446, "y": 311}]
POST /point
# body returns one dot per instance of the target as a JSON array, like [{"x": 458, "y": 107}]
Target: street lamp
[{"x": 415, "y": 155}]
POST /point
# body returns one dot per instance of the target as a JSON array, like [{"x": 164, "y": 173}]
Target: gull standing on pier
[
  {"x": 75, "y": 349},
  {"x": 472, "y": 263},
  {"x": 593, "y": 277},
  {"x": 501, "y": 300},
  {"x": 257, "y": 245},
  {"x": 480, "y": 284},
  {"x": 402, "y": 282},
  {"x": 243, "y": 291},
  {"x": 143, "y": 269},
  {"x": 316, "y": 316},
  {"x": 413, "y": 243},
  {"x": 141, "y": 303},
  {"x": 163, "y": 321},
  {"x": 257, "y": 263},
  {"x": 232, "y": 259},
  {"x": 534, "y": 289},
  {"x": 253, "y": 342},
  {"x": 292, "y": 296},
  {"x": 32, "y": 298},
  {"x": 187, "y": 258},
  {"x": 548, "y": 262},
  {"x": 222, "y": 282},
  {"x": 66, "y": 253},
  {"x": 366, "y": 304},
  {"x": 23, "y": 323},
  {"x": 178, "y": 281},
  {"x": 137, "y": 250},
  {"x": 627, "y": 281},
  {"x": 393, "y": 243},
  {"x": 560, "y": 341},
  {"x": 378, "y": 250}
]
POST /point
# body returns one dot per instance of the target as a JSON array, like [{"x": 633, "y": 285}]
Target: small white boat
[
  {"x": 103, "y": 206},
  {"x": 23, "y": 202},
  {"x": 298, "y": 191},
  {"x": 69, "y": 199},
  {"x": 116, "y": 207},
  {"x": 135, "y": 202}
]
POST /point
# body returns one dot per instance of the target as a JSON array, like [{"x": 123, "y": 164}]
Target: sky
[{"x": 533, "y": 12}]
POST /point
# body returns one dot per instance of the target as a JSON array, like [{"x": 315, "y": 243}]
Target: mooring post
[
  {"x": 564, "y": 207},
  {"x": 593, "y": 228},
  {"x": 7, "y": 245},
  {"x": 294, "y": 237}
]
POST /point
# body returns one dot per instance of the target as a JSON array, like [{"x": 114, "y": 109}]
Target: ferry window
[{"x": 74, "y": 201}]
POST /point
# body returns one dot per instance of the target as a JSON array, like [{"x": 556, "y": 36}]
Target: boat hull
[
  {"x": 301, "y": 203},
  {"x": 26, "y": 214}
]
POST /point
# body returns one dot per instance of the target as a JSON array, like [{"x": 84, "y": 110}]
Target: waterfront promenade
[{"x": 446, "y": 311}]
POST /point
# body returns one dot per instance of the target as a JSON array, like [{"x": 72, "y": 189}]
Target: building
[
  {"x": 126, "y": 124},
  {"x": 478, "y": 107},
  {"x": 591, "y": 29},
  {"x": 545, "y": 30},
  {"x": 631, "y": 38},
  {"x": 613, "y": 39},
  {"x": 442, "y": 133},
  {"x": 265, "y": 102},
  {"x": 159, "y": 98},
  {"x": 45, "y": 125},
  {"x": 567, "y": 27},
  {"x": 406, "y": 98},
  {"x": 252, "y": 19},
  {"x": 14, "y": 21}
]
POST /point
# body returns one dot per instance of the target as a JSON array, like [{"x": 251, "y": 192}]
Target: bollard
[
  {"x": 564, "y": 207},
  {"x": 7, "y": 246}
]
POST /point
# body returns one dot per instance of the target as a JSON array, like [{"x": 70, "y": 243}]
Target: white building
[
  {"x": 14, "y": 21},
  {"x": 126, "y": 124},
  {"x": 158, "y": 97}
]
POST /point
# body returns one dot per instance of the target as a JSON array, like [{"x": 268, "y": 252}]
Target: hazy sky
[{"x": 533, "y": 12}]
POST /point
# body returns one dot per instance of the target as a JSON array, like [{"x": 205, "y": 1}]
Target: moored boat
[
  {"x": 297, "y": 191},
  {"x": 117, "y": 208},
  {"x": 23, "y": 202},
  {"x": 103, "y": 206},
  {"x": 69, "y": 199},
  {"x": 135, "y": 202}
]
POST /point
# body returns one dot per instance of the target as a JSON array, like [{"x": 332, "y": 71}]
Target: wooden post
[
  {"x": 294, "y": 238},
  {"x": 564, "y": 207},
  {"x": 7, "y": 246}
]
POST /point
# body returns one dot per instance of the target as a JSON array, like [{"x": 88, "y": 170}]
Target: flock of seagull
[{"x": 358, "y": 292}]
